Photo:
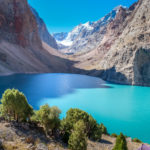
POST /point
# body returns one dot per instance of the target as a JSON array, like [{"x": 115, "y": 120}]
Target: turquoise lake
[{"x": 121, "y": 108}]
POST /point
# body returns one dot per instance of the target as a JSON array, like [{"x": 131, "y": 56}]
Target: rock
[{"x": 41, "y": 146}]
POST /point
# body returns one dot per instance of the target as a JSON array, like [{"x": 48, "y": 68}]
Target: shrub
[
  {"x": 136, "y": 140},
  {"x": 94, "y": 129},
  {"x": 103, "y": 129},
  {"x": 74, "y": 115},
  {"x": 114, "y": 135},
  {"x": 78, "y": 139},
  {"x": 121, "y": 143},
  {"x": 14, "y": 105},
  {"x": 48, "y": 117}
]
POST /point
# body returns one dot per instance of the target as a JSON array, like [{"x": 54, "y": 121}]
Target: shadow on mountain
[
  {"x": 110, "y": 75},
  {"x": 142, "y": 67}
]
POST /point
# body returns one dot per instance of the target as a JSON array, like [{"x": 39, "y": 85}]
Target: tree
[
  {"x": 94, "y": 129},
  {"x": 15, "y": 105},
  {"x": 78, "y": 139},
  {"x": 121, "y": 143},
  {"x": 48, "y": 117},
  {"x": 74, "y": 115},
  {"x": 54, "y": 118},
  {"x": 103, "y": 129}
]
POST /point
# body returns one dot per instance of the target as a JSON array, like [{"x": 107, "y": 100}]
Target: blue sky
[{"x": 63, "y": 15}]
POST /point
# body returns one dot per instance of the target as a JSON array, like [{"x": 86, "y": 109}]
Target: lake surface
[{"x": 121, "y": 108}]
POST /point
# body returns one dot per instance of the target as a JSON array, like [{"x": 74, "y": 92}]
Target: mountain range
[
  {"x": 85, "y": 37},
  {"x": 115, "y": 48}
]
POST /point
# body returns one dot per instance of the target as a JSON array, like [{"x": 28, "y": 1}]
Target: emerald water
[{"x": 121, "y": 108}]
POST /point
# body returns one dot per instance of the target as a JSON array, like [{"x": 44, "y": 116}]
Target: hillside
[
  {"x": 21, "y": 38},
  {"x": 123, "y": 54},
  {"x": 30, "y": 137}
]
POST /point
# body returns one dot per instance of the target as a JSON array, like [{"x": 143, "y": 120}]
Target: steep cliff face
[
  {"x": 17, "y": 24},
  {"x": 130, "y": 54},
  {"x": 113, "y": 31},
  {"x": 21, "y": 48},
  {"x": 43, "y": 31}
]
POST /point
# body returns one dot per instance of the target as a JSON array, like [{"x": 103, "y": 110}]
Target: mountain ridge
[
  {"x": 44, "y": 35},
  {"x": 85, "y": 37}
]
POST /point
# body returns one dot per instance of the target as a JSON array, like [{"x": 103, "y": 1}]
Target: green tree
[
  {"x": 48, "y": 117},
  {"x": 65, "y": 130},
  {"x": 94, "y": 129},
  {"x": 103, "y": 129},
  {"x": 74, "y": 115},
  {"x": 54, "y": 119},
  {"x": 121, "y": 143},
  {"x": 14, "y": 105},
  {"x": 78, "y": 139}
]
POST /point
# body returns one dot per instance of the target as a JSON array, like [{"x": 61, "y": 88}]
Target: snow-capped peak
[
  {"x": 88, "y": 25},
  {"x": 87, "y": 28}
]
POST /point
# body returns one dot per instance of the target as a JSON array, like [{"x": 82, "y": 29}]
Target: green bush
[
  {"x": 48, "y": 117},
  {"x": 14, "y": 105},
  {"x": 114, "y": 135},
  {"x": 74, "y": 115},
  {"x": 103, "y": 129},
  {"x": 121, "y": 143},
  {"x": 78, "y": 139},
  {"x": 136, "y": 140},
  {"x": 94, "y": 129}
]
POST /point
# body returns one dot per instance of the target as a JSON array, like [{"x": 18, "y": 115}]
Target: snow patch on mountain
[{"x": 81, "y": 33}]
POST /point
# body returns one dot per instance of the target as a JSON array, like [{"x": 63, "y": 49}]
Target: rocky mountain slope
[
  {"x": 123, "y": 55},
  {"x": 21, "y": 46},
  {"x": 43, "y": 31},
  {"x": 128, "y": 60},
  {"x": 90, "y": 60},
  {"x": 85, "y": 37}
]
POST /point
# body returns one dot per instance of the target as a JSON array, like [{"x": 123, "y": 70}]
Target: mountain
[
  {"x": 128, "y": 60},
  {"x": 43, "y": 31},
  {"x": 22, "y": 49},
  {"x": 115, "y": 48},
  {"x": 123, "y": 55},
  {"x": 60, "y": 36},
  {"x": 85, "y": 37}
]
